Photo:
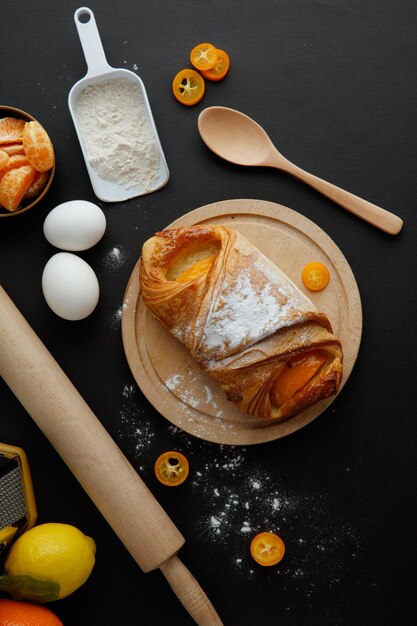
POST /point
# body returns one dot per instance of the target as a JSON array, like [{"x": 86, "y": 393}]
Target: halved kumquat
[
  {"x": 219, "y": 69},
  {"x": 11, "y": 129},
  {"x": 38, "y": 146},
  {"x": 14, "y": 185},
  {"x": 171, "y": 468},
  {"x": 267, "y": 549},
  {"x": 188, "y": 87},
  {"x": 315, "y": 276},
  {"x": 203, "y": 56}
]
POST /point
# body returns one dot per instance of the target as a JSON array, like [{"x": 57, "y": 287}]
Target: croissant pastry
[{"x": 242, "y": 319}]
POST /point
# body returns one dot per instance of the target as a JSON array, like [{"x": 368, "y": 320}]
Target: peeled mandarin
[
  {"x": 15, "y": 161},
  {"x": 11, "y": 129},
  {"x": 4, "y": 158},
  {"x": 38, "y": 184},
  {"x": 13, "y": 148},
  {"x": 38, "y": 146},
  {"x": 14, "y": 185}
]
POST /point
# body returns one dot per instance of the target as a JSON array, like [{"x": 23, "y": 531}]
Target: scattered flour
[
  {"x": 235, "y": 499},
  {"x": 115, "y": 258},
  {"x": 136, "y": 430},
  {"x": 118, "y": 134},
  {"x": 258, "y": 504}
]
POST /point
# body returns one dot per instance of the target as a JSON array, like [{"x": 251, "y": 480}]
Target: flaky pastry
[{"x": 242, "y": 319}]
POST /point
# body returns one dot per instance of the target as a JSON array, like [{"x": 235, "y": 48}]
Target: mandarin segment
[
  {"x": 17, "y": 160},
  {"x": 12, "y": 148},
  {"x": 38, "y": 184},
  {"x": 4, "y": 159},
  {"x": 11, "y": 129},
  {"x": 38, "y": 146},
  {"x": 14, "y": 185}
]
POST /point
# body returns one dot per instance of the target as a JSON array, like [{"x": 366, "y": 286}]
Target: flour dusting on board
[{"x": 196, "y": 394}]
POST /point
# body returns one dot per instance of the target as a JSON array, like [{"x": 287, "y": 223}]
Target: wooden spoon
[{"x": 239, "y": 139}]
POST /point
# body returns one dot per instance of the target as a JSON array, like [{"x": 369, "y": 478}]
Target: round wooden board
[{"x": 166, "y": 372}]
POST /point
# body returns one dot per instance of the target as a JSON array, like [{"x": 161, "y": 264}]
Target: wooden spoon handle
[
  {"x": 190, "y": 593},
  {"x": 375, "y": 215}
]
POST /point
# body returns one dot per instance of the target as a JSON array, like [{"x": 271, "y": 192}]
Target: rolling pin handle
[{"x": 189, "y": 592}]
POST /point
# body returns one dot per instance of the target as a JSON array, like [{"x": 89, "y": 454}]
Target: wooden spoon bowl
[{"x": 237, "y": 138}]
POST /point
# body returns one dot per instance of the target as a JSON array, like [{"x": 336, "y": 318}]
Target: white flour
[
  {"x": 235, "y": 498},
  {"x": 120, "y": 142},
  {"x": 115, "y": 257}
]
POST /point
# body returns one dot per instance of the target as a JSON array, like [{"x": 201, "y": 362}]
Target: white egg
[
  {"x": 70, "y": 286},
  {"x": 75, "y": 225}
]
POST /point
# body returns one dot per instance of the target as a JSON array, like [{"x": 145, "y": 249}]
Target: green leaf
[{"x": 28, "y": 588}]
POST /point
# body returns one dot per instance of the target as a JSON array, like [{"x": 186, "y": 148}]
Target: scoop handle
[
  {"x": 47, "y": 394},
  {"x": 91, "y": 42}
]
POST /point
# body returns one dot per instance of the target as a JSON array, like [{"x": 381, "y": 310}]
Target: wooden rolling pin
[{"x": 95, "y": 460}]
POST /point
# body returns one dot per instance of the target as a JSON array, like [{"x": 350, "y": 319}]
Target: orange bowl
[{"x": 6, "y": 111}]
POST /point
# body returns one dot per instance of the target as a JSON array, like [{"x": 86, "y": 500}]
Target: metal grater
[{"x": 17, "y": 501}]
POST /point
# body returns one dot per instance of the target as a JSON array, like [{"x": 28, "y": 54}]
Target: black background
[{"x": 334, "y": 84}]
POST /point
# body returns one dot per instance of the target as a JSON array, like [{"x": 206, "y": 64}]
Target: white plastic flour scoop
[{"x": 122, "y": 161}]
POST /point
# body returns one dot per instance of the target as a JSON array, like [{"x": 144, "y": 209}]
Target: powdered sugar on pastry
[
  {"x": 244, "y": 313},
  {"x": 240, "y": 312}
]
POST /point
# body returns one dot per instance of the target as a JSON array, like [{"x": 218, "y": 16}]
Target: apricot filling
[
  {"x": 296, "y": 373},
  {"x": 193, "y": 263},
  {"x": 195, "y": 271}
]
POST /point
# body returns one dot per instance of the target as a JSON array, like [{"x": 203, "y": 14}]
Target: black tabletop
[{"x": 334, "y": 84}]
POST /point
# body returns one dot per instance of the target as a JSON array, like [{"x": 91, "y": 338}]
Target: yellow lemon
[{"x": 53, "y": 552}]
